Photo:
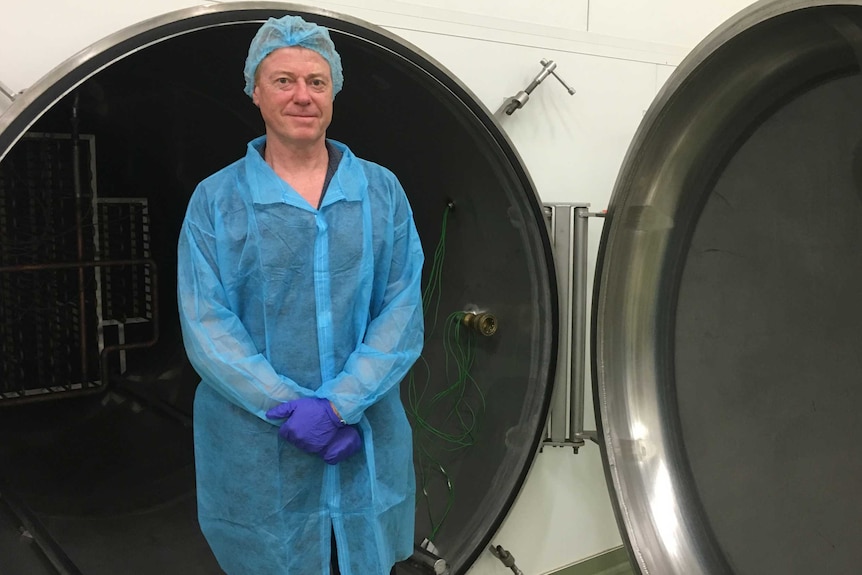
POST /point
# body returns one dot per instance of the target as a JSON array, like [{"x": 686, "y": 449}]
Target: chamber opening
[{"x": 106, "y": 469}]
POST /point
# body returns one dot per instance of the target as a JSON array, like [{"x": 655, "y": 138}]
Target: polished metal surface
[
  {"x": 561, "y": 227},
  {"x": 645, "y": 376},
  {"x": 568, "y": 226}
]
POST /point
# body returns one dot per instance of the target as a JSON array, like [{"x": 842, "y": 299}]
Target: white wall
[{"x": 615, "y": 53}]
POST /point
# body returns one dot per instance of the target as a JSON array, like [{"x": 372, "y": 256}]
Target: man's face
[{"x": 293, "y": 90}]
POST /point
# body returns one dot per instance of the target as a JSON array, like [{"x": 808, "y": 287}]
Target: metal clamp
[
  {"x": 505, "y": 558},
  {"x": 518, "y": 100}
]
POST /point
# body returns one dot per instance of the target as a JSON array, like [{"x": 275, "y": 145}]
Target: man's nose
[{"x": 302, "y": 93}]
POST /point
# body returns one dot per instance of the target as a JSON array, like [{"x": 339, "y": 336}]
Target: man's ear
[{"x": 255, "y": 97}]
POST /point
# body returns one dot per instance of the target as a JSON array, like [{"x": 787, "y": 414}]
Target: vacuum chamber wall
[
  {"x": 767, "y": 362},
  {"x": 727, "y": 321},
  {"x": 159, "y": 107}
]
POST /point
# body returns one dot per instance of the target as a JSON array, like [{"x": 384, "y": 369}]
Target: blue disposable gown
[{"x": 279, "y": 300}]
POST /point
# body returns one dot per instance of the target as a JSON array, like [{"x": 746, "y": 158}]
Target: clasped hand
[{"x": 313, "y": 426}]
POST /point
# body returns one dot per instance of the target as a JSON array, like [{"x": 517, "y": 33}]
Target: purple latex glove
[
  {"x": 311, "y": 423},
  {"x": 347, "y": 441}
]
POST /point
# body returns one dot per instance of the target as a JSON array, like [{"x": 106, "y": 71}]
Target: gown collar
[{"x": 348, "y": 183}]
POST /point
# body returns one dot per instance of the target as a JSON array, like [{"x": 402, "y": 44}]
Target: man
[{"x": 299, "y": 295}]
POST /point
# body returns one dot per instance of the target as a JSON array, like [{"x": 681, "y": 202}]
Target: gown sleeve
[
  {"x": 395, "y": 335},
  {"x": 217, "y": 343}
]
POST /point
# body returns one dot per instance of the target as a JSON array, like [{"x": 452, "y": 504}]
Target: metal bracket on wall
[
  {"x": 6, "y": 97},
  {"x": 568, "y": 227}
]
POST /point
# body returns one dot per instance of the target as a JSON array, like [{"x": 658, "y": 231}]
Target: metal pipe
[
  {"x": 103, "y": 357},
  {"x": 154, "y": 296},
  {"x": 559, "y": 221},
  {"x": 579, "y": 323},
  {"x": 74, "y": 265},
  {"x": 79, "y": 238}
]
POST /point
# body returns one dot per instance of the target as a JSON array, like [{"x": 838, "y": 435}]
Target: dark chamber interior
[
  {"x": 105, "y": 479},
  {"x": 767, "y": 338}
]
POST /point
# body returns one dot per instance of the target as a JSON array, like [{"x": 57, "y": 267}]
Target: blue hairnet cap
[{"x": 292, "y": 31}]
